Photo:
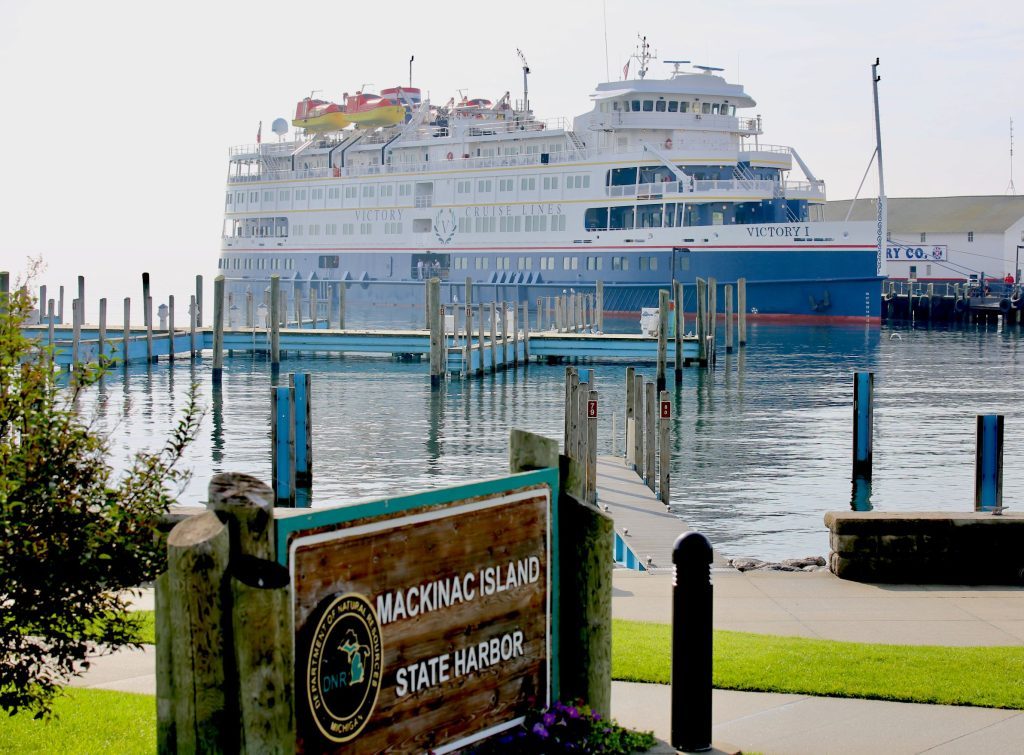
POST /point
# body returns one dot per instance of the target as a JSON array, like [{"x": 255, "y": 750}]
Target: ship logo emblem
[
  {"x": 445, "y": 226},
  {"x": 343, "y": 668}
]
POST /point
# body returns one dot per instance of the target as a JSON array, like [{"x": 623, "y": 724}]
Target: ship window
[
  {"x": 550, "y": 182},
  {"x": 484, "y": 186},
  {"x": 924, "y": 237},
  {"x": 387, "y": 190},
  {"x": 643, "y": 264},
  {"x": 596, "y": 219},
  {"x": 527, "y": 184},
  {"x": 506, "y": 184},
  {"x": 615, "y": 105},
  {"x": 558, "y": 222},
  {"x": 648, "y": 216},
  {"x": 684, "y": 107},
  {"x": 620, "y": 218},
  {"x": 463, "y": 187},
  {"x": 365, "y": 229},
  {"x": 350, "y": 192},
  {"x": 717, "y": 218},
  {"x": 706, "y": 108},
  {"x": 636, "y": 106},
  {"x": 970, "y": 235},
  {"x": 328, "y": 261},
  {"x": 714, "y": 109},
  {"x": 648, "y": 106},
  {"x": 660, "y": 106},
  {"x": 622, "y": 177},
  {"x": 673, "y": 106},
  {"x": 368, "y": 190}
]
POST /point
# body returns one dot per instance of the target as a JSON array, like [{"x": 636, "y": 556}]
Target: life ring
[
  {"x": 450, "y": 155},
  {"x": 959, "y": 306},
  {"x": 337, "y": 171},
  {"x": 668, "y": 143},
  {"x": 1005, "y": 306}
]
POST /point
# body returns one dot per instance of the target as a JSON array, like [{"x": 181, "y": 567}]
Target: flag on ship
[
  {"x": 259, "y": 132},
  {"x": 625, "y": 71}
]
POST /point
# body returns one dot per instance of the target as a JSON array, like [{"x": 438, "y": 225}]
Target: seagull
[
  {"x": 625, "y": 531},
  {"x": 650, "y": 560},
  {"x": 895, "y": 337}
]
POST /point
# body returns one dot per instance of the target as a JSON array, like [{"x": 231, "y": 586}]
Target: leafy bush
[
  {"x": 74, "y": 536},
  {"x": 568, "y": 728}
]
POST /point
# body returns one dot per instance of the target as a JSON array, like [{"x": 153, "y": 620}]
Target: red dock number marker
[
  {"x": 592, "y": 408},
  {"x": 666, "y": 410}
]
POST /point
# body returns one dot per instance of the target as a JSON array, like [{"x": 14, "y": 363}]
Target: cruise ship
[{"x": 663, "y": 179}]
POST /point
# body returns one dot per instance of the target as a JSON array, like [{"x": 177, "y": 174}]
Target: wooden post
[
  {"x": 170, "y": 327},
  {"x": 662, "y": 337},
  {"x": 81, "y": 300},
  {"x": 592, "y": 445},
  {"x": 166, "y": 736},
  {"x": 427, "y": 303},
  {"x": 567, "y": 412},
  {"x": 741, "y": 311},
  {"x": 526, "y": 332},
  {"x": 515, "y": 334},
  {"x": 480, "y": 338},
  {"x": 41, "y": 304},
  {"x": 147, "y": 316},
  {"x": 218, "y": 329},
  {"x": 572, "y": 451},
  {"x": 600, "y": 306},
  {"x": 126, "y": 336},
  {"x": 282, "y": 442},
  {"x": 650, "y": 442},
  {"x": 314, "y": 305},
  {"x": 197, "y": 567},
  {"x": 702, "y": 322},
  {"x": 712, "y": 307},
  {"x": 275, "y": 322},
  {"x": 582, "y": 450},
  {"x": 302, "y": 386},
  {"x": 863, "y": 423},
  {"x": 101, "y": 349},
  {"x": 504, "y": 334},
  {"x": 193, "y": 309},
  {"x": 494, "y": 338},
  {"x": 261, "y": 615},
  {"x": 664, "y": 447},
  {"x": 438, "y": 339},
  {"x": 341, "y": 306},
  {"x": 677, "y": 292},
  {"x": 638, "y": 430},
  {"x": 199, "y": 301},
  {"x": 540, "y": 313},
  {"x": 728, "y": 319},
  {"x": 469, "y": 326},
  {"x": 49, "y": 324},
  {"x": 250, "y": 320},
  {"x": 297, "y": 305},
  {"x": 629, "y": 425},
  {"x": 76, "y": 333}
]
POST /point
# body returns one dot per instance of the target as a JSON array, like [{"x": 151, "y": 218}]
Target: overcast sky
[{"x": 116, "y": 116}]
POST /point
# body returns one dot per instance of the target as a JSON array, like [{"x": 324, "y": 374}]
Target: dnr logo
[{"x": 344, "y": 666}]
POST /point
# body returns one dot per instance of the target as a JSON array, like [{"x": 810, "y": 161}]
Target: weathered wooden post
[
  {"x": 49, "y": 325},
  {"x": 170, "y": 328},
  {"x": 218, "y": 329},
  {"x": 480, "y": 338},
  {"x": 712, "y": 307},
  {"x": 76, "y": 333},
  {"x": 314, "y": 306},
  {"x": 599, "y": 306},
  {"x": 438, "y": 354},
  {"x": 262, "y": 635},
  {"x": 567, "y": 413},
  {"x": 863, "y": 423},
  {"x": 197, "y": 630},
  {"x": 592, "y": 445},
  {"x": 638, "y": 432},
  {"x": 199, "y": 301},
  {"x": 540, "y": 313},
  {"x": 302, "y": 388},
  {"x": 702, "y": 322},
  {"x": 728, "y": 319},
  {"x": 101, "y": 337},
  {"x": 275, "y": 323},
  {"x": 428, "y": 303},
  {"x": 282, "y": 441},
  {"x": 250, "y": 319},
  {"x": 573, "y": 449},
  {"x": 297, "y": 305},
  {"x": 515, "y": 334},
  {"x": 41, "y": 304},
  {"x": 664, "y": 447},
  {"x": 126, "y": 335},
  {"x": 81, "y": 300},
  {"x": 146, "y": 315},
  {"x": 526, "y": 332},
  {"x": 582, "y": 450},
  {"x": 494, "y": 338},
  {"x": 677, "y": 293},
  {"x": 192, "y": 310},
  {"x": 662, "y": 338},
  {"x": 469, "y": 326},
  {"x": 988, "y": 464},
  {"x": 341, "y": 306},
  {"x": 629, "y": 425},
  {"x": 650, "y": 442},
  {"x": 504, "y": 335}
]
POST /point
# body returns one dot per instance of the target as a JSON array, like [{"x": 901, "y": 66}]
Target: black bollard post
[{"x": 691, "y": 643}]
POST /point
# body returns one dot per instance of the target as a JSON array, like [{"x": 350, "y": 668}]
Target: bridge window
[
  {"x": 673, "y": 106},
  {"x": 684, "y": 107},
  {"x": 705, "y": 108},
  {"x": 660, "y": 106},
  {"x": 596, "y": 219},
  {"x": 970, "y": 235},
  {"x": 620, "y": 218},
  {"x": 636, "y": 106},
  {"x": 622, "y": 177},
  {"x": 648, "y": 106},
  {"x": 615, "y": 105}
]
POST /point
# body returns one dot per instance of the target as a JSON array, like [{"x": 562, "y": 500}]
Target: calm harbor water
[{"x": 761, "y": 445}]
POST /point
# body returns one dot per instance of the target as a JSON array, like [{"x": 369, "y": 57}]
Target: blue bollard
[
  {"x": 301, "y": 384},
  {"x": 692, "y": 603},
  {"x": 988, "y": 464},
  {"x": 283, "y": 444},
  {"x": 863, "y": 420}
]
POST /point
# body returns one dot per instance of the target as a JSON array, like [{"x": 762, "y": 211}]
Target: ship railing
[
  {"x": 670, "y": 188},
  {"x": 776, "y": 149},
  {"x": 736, "y": 185},
  {"x": 749, "y": 125},
  {"x": 804, "y": 189}
]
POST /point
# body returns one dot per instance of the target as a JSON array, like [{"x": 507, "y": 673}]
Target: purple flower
[
  {"x": 573, "y": 712},
  {"x": 597, "y": 716},
  {"x": 549, "y": 719},
  {"x": 540, "y": 731}
]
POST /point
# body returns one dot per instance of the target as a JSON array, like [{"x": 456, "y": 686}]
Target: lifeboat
[
  {"x": 474, "y": 108},
  {"x": 371, "y": 111},
  {"x": 409, "y": 96},
  {"x": 319, "y": 116}
]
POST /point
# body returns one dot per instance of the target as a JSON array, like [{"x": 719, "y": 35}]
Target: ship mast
[
  {"x": 883, "y": 215},
  {"x": 526, "y": 84}
]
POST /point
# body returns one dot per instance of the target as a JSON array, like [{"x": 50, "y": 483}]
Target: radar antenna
[
  {"x": 526, "y": 83},
  {"x": 675, "y": 66}
]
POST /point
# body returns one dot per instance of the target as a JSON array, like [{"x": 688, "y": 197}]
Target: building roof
[{"x": 984, "y": 214}]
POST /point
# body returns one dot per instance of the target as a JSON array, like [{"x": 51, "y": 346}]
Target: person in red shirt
[{"x": 1008, "y": 278}]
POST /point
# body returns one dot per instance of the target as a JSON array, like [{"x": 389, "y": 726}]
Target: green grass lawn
[
  {"x": 89, "y": 721},
  {"x": 95, "y": 721},
  {"x": 983, "y": 676}
]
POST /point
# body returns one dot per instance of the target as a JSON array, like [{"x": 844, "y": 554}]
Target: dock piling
[
  {"x": 76, "y": 333},
  {"x": 863, "y": 423},
  {"x": 629, "y": 425},
  {"x": 599, "y": 305},
  {"x": 60, "y": 305},
  {"x": 199, "y": 301},
  {"x": 101, "y": 336},
  {"x": 301, "y": 385},
  {"x": 49, "y": 325},
  {"x": 662, "y": 337},
  {"x": 712, "y": 307},
  {"x": 146, "y": 314},
  {"x": 677, "y": 293},
  {"x": 702, "y": 322},
  {"x": 526, "y": 332},
  {"x": 218, "y": 329},
  {"x": 438, "y": 338},
  {"x": 638, "y": 431},
  {"x": 741, "y": 309},
  {"x": 728, "y": 319},
  {"x": 275, "y": 323},
  {"x": 170, "y": 328},
  {"x": 42, "y": 304},
  {"x": 988, "y": 464},
  {"x": 193, "y": 310},
  {"x": 567, "y": 413},
  {"x": 126, "y": 336},
  {"x": 592, "y": 445},
  {"x": 250, "y": 321},
  {"x": 650, "y": 428},
  {"x": 664, "y": 447},
  {"x": 494, "y": 337},
  {"x": 282, "y": 440},
  {"x": 341, "y": 306}
]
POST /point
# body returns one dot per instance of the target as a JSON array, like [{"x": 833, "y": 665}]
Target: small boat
[
  {"x": 319, "y": 116},
  {"x": 371, "y": 111},
  {"x": 474, "y": 108},
  {"x": 408, "y": 96}
]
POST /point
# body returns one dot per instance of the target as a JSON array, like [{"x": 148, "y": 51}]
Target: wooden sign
[
  {"x": 425, "y": 622},
  {"x": 592, "y": 408},
  {"x": 666, "y": 410}
]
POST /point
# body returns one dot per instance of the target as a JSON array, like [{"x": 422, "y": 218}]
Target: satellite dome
[{"x": 280, "y": 126}]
